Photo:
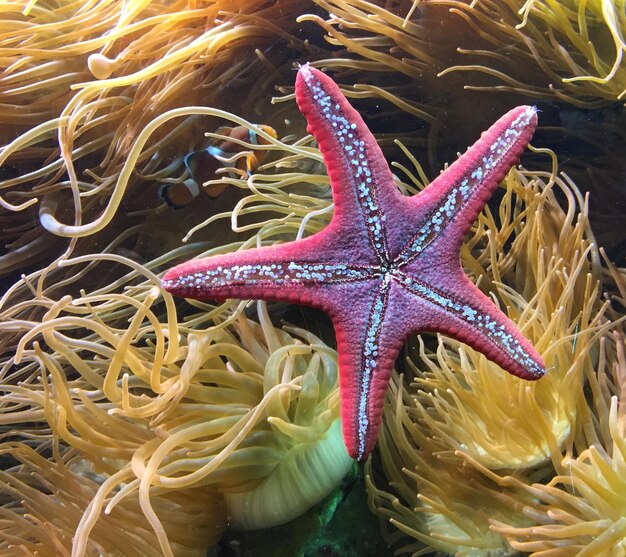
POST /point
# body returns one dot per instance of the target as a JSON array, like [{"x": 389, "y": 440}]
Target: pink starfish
[{"x": 387, "y": 266}]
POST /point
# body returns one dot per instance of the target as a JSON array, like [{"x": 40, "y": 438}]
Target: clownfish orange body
[{"x": 203, "y": 165}]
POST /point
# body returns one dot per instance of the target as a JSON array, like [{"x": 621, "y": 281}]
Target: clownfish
[{"x": 202, "y": 165}]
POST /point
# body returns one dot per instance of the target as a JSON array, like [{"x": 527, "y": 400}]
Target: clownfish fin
[{"x": 252, "y": 163}]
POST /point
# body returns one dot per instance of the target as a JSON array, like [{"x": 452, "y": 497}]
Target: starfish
[{"x": 388, "y": 265}]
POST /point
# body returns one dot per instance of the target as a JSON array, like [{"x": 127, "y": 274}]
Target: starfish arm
[
  {"x": 457, "y": 308},
  {"x": 363, "y": 186},
  {"x": 368, "y": 344},
  {"x": 446, "y": 209},
  {"x": 291, "y": 272}
]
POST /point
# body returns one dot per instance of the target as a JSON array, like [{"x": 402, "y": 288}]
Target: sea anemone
[
  {"x": 379, "y": 35},
  {"x": 462, "y": 417},
  {"x": 572, "y": 50},
  {"x": 228, "y": 407},
  {"x": 583, "y": 508},
  {"x": 82, "y": 80},
  {"x": 429, "y": 498},
  {"x": 44, "y": 499},
  {"x": 151, "y": 403}
]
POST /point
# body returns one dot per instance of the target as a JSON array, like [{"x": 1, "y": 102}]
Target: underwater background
[{"x": 134, "y": 423}]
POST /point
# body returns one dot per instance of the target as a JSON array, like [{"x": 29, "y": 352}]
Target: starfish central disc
[{"x": 387, "y": 266}]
